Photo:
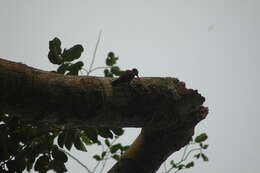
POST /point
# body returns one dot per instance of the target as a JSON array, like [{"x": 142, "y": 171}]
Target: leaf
[
  {"x": 205, "y": 146},
  {"x": 41, "y": 163},
  {"x": 58, "y": 166},
  {"x": 180, "y": 166},
  {"x": 55, "y": 44},
  {"x": 115, "y": 148},
  {"x": 70, "y": 138},
  {"x": 204, "y": 157},
  {"x": 116, "y": 70},
  {"x": 116, "y": 157},
  {"x": 62, "y": 69},
  {"x": 79, "y": 144},
  {"x": 111, "y": 54},
  {"x": 75, "y": 68},
  {"x": 118, "y": 131},
  {"x": 106, "y": 72},
  {"x": 105, "y": 133},
  {"x": 97, "y": 157},
  {"x": 54, "y": 54},
  {"x": 111, "y": 59},
  {"x": 197, "y": 156},
  {"x": 189, "y": 165},
  {"x": 72, "y": 53},
  {"x": 103, "y": 154},
  {"x": 200, "y": 138},
  {"x": 86, "y": 140},
  {"x": 61, "y": 139},
  {"x": 124, "y": 148},
  {"x": 107, "y": 142},
  {"x": 54, "y": 58},
  {"x": 91, "y": 133},
  {"x": 173, "y": 164},
  {"x": 59, "y": 155}
]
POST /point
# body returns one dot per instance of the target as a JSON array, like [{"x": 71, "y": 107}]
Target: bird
[{"x": 126, "y": 77}]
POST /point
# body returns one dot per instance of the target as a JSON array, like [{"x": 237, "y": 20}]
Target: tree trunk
[{"x": 166, "y": 111}]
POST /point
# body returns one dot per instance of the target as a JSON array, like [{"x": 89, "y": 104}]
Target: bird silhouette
[{"x": 126, "y": 77}]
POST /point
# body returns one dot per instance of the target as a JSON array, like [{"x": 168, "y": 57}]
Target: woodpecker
[{"x": 126, "y": 77}]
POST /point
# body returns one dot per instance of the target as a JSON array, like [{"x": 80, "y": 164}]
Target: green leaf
[
  {"x": 54, "y": 58},
  {"x": 106, "y": 72},
  {"x": 41, "y": 163},
  {"x": 204, "y": 157},
  {"x": 59, "y": 155},
  {"x": 54, "y": 54},
  {"x": 117, "y": 131},
  {"x": 70, "y": 138},
  {"x": 103, "y": 154},
  {"x": 58, "y": 166},
  {"x": 72, "y": 53},
  {"x": 111, "y": 59},
  {"x": 97, "y": 157},
  {"x": 86, "y": 140},
  {"x": 197, "y": 156},
  {"x": 205, "y": 146},
  {"x": 79, "y": 144},
  {"x": 173, "y": 164},
  {"x": 62, "y": 69},
  {"x": 61, "y": 139},
  {"x": 189, "y": 165},
  {"x": 55, "y": 44},
  {"x": 180, "y": 166},
  {"x": 75, "y": 68},
  {"x": 91, "y": 133},
  {"x": 107, "y": 142},
  {"x": 202, "y": 137},
  {"x": 116, "y": 70},
  {"x": 115, "y": 148},
  {"x": 116, "y": 157},
  {"x": 105, "y": 133},
  {"x": 111, "y": 54},
  {"x": 124, "y": 148}
]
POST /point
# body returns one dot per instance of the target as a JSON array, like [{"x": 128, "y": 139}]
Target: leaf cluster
[
  {"x": 64, "y": 58},
  {"x": 197, "y": 145},
  {"x": 112, "y": 69}
]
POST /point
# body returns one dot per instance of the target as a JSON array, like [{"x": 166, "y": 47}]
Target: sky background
[{"x": 213, "y": 46}]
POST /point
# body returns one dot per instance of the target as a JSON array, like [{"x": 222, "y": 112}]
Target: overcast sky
[{"x": 212, "y": 45}]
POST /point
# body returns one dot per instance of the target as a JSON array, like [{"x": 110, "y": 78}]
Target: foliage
[
  {"x": 198, "y": 147},
  {"x": 44, "y": 146}
]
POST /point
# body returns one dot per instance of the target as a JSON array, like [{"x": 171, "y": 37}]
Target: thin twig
[
  {"x": 77, "y": 160},
  {"x": 94, "y": 54}
]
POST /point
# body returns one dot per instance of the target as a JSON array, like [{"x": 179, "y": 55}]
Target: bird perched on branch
[{"x": 126, "y": 77}]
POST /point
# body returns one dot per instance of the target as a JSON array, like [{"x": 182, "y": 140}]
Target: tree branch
[{"x": 165, "y": 109}]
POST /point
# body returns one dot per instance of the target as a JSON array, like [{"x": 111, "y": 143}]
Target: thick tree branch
[{"x": 163, "y": 107}]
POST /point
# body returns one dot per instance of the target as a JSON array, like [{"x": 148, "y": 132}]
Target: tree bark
[{"x": 164, "y": 108}]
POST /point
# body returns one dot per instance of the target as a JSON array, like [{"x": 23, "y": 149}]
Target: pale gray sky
[{"x": 213, "y": 46}]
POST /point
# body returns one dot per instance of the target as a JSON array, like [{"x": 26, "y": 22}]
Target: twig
[
  {"x": 94, "y": 54},
  {"x": 77, "y": 160}
]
